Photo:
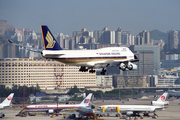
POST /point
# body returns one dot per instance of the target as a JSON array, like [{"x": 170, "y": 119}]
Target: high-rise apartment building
[
  {"x": 105, "y": 36},
  {"x": 145, "y": 36},
  {"x": 173, "y": 40},
  {"x": 118, "y": 34}
]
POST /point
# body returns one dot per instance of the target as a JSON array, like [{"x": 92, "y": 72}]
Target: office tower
[
  {"x": 156, "y": 51},
  {"x": 125, "y": 37}
]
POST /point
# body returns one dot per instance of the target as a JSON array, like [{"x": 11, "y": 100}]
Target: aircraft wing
[
  {"x": 73, "y": 112},
  {"x": 26, "y": 47}
]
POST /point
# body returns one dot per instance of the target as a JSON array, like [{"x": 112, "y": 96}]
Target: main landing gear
[
  {"x": 103, "y": 71},
  {"x": 92, "y": 71},
  {"x": 83, "y": 69}
]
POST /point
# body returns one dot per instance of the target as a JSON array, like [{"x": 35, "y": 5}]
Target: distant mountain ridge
[
  {"x": 4, "y": 25},
  {"x": 157, "y": 35}
]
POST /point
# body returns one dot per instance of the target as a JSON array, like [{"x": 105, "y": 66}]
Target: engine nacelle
[
  {"x": 92, "y": 106},
  {"x": 2, "y": 115},
  {"x": 156, "y": 103},
  {"x": 122, "y": 66},
  {"x": 50, "y": 111},
  {"x": 131, "y": 66},
  {"x": 128, "y": 113}
]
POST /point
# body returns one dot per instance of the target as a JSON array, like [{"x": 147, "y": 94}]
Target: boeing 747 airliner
[{"x": 86, "y": 59}]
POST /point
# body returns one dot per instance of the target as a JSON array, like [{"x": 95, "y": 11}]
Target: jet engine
[
  {"x": 73, "y": 116},
  {"x": 131, "y": 66},
  {"x": 128, "y": 113},
  {"x": 122, "y": 66},
  {"x": 92, "y": 106},
  {"x": 50, "y": 111},
  {"x": 2, "y": 115}
]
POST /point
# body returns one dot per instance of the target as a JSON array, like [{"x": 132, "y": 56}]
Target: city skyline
[{"x": 68, "y": 16}]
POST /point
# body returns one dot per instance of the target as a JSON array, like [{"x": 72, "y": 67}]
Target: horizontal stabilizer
[{"x": 25, "y": 47}]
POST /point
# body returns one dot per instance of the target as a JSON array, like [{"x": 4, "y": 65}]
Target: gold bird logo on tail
[{"x": 50, "y": 40}]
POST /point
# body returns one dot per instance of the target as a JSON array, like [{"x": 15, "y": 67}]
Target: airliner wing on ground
[
  {"x": 6, "y": 103},
  {"x": 161, "y": 101},
  {"x": 131, "y": 110},
  {"x": 53, "y": 108},
  {"x": 87, "y": 59}
]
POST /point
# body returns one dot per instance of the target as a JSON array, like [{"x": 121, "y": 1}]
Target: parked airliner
[
  {"x": 6, "y": 103},
  {"x": 135, "y": 110},
  {"x": 53, "y": 108},
  {"x": 86, "y": 59}
]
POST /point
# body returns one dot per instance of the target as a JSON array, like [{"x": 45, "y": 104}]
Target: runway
[{"x": 171, "y": 111}]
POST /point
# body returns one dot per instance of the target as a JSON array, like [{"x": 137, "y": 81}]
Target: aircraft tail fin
[
  {"x": 50, "y": 43},
  {"x": 7, "y": 101},
  {"x": 87, "y": 100},
  {"x": 163, "y": 97}
]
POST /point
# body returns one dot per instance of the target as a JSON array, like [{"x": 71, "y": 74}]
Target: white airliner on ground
[
  {"x": 87, "y": 59},
  {"x": 6, "y": 103},
  {"x": 53, "y": 108},
  {"x": 161, "y": 101},
  {"x": 135, "y": 110},
  {"x": 131, "y": 110}
]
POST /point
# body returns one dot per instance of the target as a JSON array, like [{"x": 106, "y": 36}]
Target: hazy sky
[{"x": 66, "y": 16}]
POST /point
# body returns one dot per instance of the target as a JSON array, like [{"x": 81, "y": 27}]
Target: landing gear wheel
[
  {"x": 103, "y": 71},
  {"x": 92, "y": 71}
]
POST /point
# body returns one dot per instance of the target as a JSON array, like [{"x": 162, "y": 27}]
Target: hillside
[
  {"x": 4, "y": 25},
  {"x": 157, "y": 35}
]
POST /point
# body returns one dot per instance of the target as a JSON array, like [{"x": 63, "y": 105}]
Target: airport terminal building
[{"x": 48, "y": 74}]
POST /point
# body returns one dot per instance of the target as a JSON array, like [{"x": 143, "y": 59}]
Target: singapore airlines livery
[{"x": 87, "y": 59}]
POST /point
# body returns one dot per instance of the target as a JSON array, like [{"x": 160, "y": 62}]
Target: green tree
[{"x": 73, "y": 90}]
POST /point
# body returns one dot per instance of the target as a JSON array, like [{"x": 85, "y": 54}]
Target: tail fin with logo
[
  {"x": 49, "y": 41},
  {"x": 7, "y": 101},
  {"x": 87, "y": 100},
  {"x": 163, "y": 97}
]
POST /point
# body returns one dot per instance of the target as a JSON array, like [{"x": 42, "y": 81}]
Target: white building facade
[{"x": 47, "y": 74}]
